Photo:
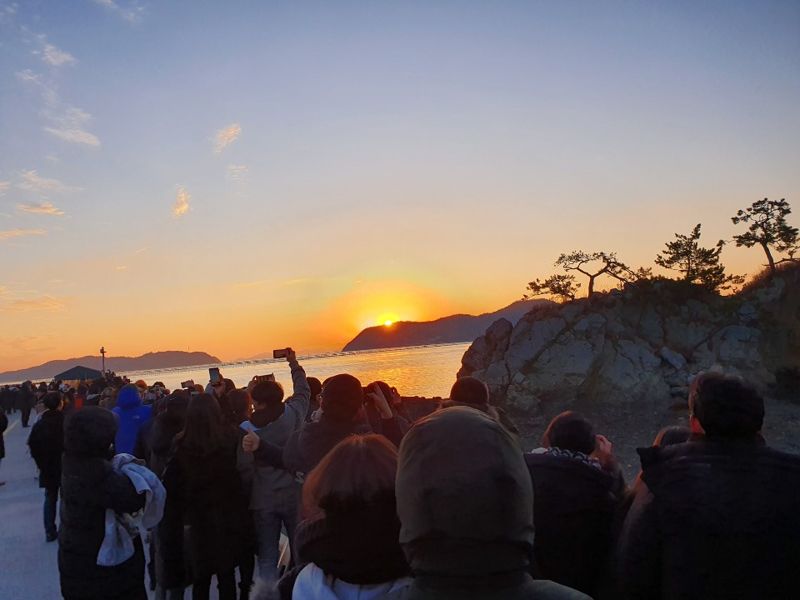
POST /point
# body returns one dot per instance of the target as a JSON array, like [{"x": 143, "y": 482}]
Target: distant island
[
  {"x": 452, "y": 329},
  {"x": 151, "y": 360}
]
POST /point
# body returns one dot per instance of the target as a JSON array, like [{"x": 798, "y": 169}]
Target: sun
[{"x": 388, "y": 323}]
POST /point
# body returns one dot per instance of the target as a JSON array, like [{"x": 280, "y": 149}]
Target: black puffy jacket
[
  {"x": 714, "y": 519},
  {"x": 46, "y": 442},
  {"x": 573, "y": 512},
  {"x": 89, "y": 486}
]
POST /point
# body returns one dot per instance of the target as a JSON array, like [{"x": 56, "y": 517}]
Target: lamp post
[{"x": 103, "y": 355}]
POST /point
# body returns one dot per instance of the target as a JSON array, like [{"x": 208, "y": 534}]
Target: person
[
  {"x": 465, "y": 503},
  {"x": 715, "y": 517},
  {"x": 165, "y": 427},
  {"x": 46, "y": 443},
  {"x": 204, "y": 492},
  {"x": 26, "y": 399},
  {"x": 90, "y": 486},
  {"x": 316, "y": 387},
  {"x": 392, "y": 397},
  {"x": 470, "y": 391},
  {"x": 3, "y": 427},
  {"x": 577, "y": 488},
  {"x": 347, "y": 544},
  {"x": 275, "y": 494},
  {"x": 132, "y": 415},
  {"x": 340, "y": 415}
]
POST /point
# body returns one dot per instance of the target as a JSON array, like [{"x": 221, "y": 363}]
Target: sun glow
[{"x": 388, "y": 323}]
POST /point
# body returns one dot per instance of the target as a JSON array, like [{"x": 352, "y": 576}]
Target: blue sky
[{"x": 411, "y": 159}]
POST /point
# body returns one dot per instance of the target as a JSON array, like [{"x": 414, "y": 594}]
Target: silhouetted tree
[
  {"x": 768, "y": 227},
  {"x": 698, "y": 265},
  {"x": 605, "y": 263},
  {"x": 563, "y": 286},
  {"x": 590, "y": 264}
]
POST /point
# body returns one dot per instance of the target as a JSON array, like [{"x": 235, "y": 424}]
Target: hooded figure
[
  {"x": 90, "y": 486},
  {"x": 465, "y": 502},
  {"x": 132, "y": 415}
]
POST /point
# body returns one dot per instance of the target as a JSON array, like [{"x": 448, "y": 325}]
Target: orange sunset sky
[{"x": 237, "y": 177}]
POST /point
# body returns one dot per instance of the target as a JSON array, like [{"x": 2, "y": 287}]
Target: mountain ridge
[
  {"x": 149, "y": 360},
  {"x": 450, "y": 329}
]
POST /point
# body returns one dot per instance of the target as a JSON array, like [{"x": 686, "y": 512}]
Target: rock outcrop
[{"x": 640, "y": 346}]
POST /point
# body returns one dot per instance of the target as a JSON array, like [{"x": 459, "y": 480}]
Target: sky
[{"x": 234, "y": 177}]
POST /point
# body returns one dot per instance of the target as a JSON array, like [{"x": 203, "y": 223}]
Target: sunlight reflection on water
[{"x": 419, "y": 371}]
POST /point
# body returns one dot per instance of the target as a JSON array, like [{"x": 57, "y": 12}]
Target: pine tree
[
  {"x": 768, "y": 228},
  {"x": 699, "y": 265}
]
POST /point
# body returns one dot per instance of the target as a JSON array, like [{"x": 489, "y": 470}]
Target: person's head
[
  {"x": 672, "y": 435},
  {"x": 316, "y": 387},
  {"x": 470, "y": 391},
  {"x": 241, "y": 405},
  {"x": 90, "y": 433},
  {"x": 341, "y": 397},
  {"x": 203, "y": 431},
  {"x": 128, "y": 397},
  {"x": 52, "y": 401},
  {"x": 357, "y": 471},
  {"x": 464, "y": 497},
  {"x": 721, "y": 406},
  {"x": 570, "y": 431},
  {"x": 141, "y": 386},
  {"x": 267, "y": 394}
]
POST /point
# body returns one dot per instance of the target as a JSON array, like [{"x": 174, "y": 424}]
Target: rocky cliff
[{"x": 640, "y": 347}]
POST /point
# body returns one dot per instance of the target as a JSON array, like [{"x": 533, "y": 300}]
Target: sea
[{"x": 415, "y": 371}]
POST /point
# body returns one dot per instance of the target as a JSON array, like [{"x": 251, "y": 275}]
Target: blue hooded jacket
[{"x": 132, "y": 415}]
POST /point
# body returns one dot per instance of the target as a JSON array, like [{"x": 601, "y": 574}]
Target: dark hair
[
  {"x": 240, "y": 405},
  {"x": 342, "y": 397},
  {"x": 355, "y": 472},
  {"x": 570, "y": 431},
  {"x": 726, "y": 406},
  {"x": 269, "y": 393},
  {"x": 204, "y": 430},
  {"x": 90, "y": 433},
  {"x": 51, "y": 400},
  {"x": 670, "y": 436},
  {"x": 316, "y": 387},
  {"x": 471, "y": 391}
]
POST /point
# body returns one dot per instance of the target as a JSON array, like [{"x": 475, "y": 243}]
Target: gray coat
[{"x": 271, "y": 484}]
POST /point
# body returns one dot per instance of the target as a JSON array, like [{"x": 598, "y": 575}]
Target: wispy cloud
[
  {"x": 42, "y": 303},
  {"x": 140, "y": 250},
  {"x": 181, "y": 206},
  {"x": 40, "y": 208},
  {"x": 237, "y": 173},
  {"x": 121, "y": 268},
  {"x": 51, "y": 54},
  {"x": 33, "y": 182},
  {"x": 16, "y": 233},
  {"x": 4, "y": 186},
  {"x": 226, "y": 136},
  {"x": 65, "y": 122},
  {"x": 132, "y": 12},
  {"x": 70, "y": 127}
]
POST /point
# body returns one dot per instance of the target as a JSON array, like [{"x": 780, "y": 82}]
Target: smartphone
[
  {"x": 189, "y": 383},
  {"x": 282, "y": 353},
  {"x": 214, "y": 376},
  {"x": 260, "y": 378}
]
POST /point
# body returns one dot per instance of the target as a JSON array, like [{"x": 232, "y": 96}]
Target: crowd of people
[{"x": 336, "y": 492}]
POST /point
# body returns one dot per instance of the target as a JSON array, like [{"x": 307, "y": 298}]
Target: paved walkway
[{"x": 28, "y": 564}]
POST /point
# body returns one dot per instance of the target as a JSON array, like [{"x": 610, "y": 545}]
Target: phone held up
[
  {"x": 260, "y": 378},
  {"x": 282, "y": 353},
  {"x": 214, "y": 376},
  {"x": 189, "y": 383}
]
